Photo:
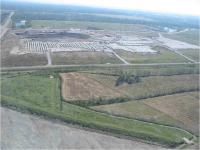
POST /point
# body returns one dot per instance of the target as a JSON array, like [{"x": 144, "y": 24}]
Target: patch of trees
[{"x": 128, "y": 78}]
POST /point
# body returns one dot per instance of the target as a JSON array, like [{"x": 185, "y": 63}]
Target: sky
[{"x": 189, "y": 7}]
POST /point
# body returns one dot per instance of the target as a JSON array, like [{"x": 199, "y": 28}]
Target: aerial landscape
[{"x": 80, "y": 77}]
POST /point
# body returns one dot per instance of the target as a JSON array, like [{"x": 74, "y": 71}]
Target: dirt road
[
  {"x": 5, "y": 26},
  {"x": 22, "y": 131}
]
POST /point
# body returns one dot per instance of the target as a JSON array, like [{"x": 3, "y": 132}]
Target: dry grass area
[
  {"x": 76, "y": 86},
  {"x": 183, "y": 107},
  {"x": 149, "y": 86},
  {"x": 137, "y": 110},
  {"x": 65, "y": 58}
]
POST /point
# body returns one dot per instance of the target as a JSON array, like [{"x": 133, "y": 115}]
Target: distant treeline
[
  {"x": 75, "y": 13},
  {"x": 159, "y": 22}
]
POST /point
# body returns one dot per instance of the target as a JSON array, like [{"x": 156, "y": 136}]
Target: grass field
[
  {"x": 23, "y": 60},
  {"x": 79, "y": 24},
  {"x": 164, "y": 56},
  {"x": 183, "y": 107},
  {"x": 191, "y": 36},
  {"x": 84, "y": 25},
  {"x": 151, "y": 86},
  {"x": 192, "y": 53},
  {"x": 137, "y": 110},
  {"x": 76, "y": 86},
  {"x": 178, "y": 109},
  {"x": 65, "y": 58},
  {"x": 41, "y": 95}
]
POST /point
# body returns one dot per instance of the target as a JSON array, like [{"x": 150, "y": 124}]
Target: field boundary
[{"x": 100, "y": 101}]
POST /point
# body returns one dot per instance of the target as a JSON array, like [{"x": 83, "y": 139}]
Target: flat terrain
[
  {"x": 55, "y": 24},
  {"x": 191, "y": 53},
  {"x": 151, "y": 86},
  {"x": 76, "y": 86},
  {"x": 183, "y": 107},
  {"x": 40, "y": 94},
  {"x": 164, "y": 56},
  {"x": 24, "y": 60},
  {"x": 66, "y": 58},
  {"x": 49, "y": 135},
  {"x": 10, "y": 43},
  {"x": 137, "y": 110},
  {"x": 84, "y": 86},
  {"x": 177, "y": 109},
  {"x": 191, "y": 36}
]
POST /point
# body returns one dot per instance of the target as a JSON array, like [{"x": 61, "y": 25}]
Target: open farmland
[
  {"x": 163, "y": 55},
  {"x": 10, "y": 45},
  {"x": 178, "y": 109},
  {"x": 191, "y": 53},
  {"x": 76, "y": 86},
  {"x": 43, "y": 97},
  {"x": 61, "y": 58},
  {"x": 24, "y": 60},
  {"x": 137, "y": 110},
  {"x": 190, "y": 36},
  {"x": 54, "y": 24},
  {"x": 162, "y": 85},
  {"x": 182, "y": 107}
]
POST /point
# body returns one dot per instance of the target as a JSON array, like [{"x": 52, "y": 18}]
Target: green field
[
  {"x": 83, "y": 25},
  {"x": 137, "y": 110},
  {"x": 164, "y": 56},
  {"x": 162, "y": 85},
  {"x": 191, "y": 53},
  {"x": 68, "y": 58},
  {"x": 177, "y": 109},
  {"x": 41, "y": 95},
  {"x": 191, "y": 36}
]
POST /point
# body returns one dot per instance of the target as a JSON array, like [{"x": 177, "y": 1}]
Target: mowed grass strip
[{"x": 41, "y": 95}]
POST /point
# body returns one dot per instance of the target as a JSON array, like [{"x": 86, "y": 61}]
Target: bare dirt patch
[{"x": 76, "y": 86}]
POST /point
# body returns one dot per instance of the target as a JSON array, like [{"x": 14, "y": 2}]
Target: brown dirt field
[
  {"x": 76, "y": 86},
  {"x": 183, "y": 107}
]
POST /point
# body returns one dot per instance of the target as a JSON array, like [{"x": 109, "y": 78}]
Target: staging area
[{"x": 83, "y": 46}]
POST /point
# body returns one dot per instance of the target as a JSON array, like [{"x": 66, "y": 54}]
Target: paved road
[
  {"x": 23, "y": 131},
  {"x": 49, "y": 58},
  {"x": 23, "y": 68},
  {"x": 5, "y": 26}
]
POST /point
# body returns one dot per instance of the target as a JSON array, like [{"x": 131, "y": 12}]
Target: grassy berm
[{"x": 39, "y": 94}]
